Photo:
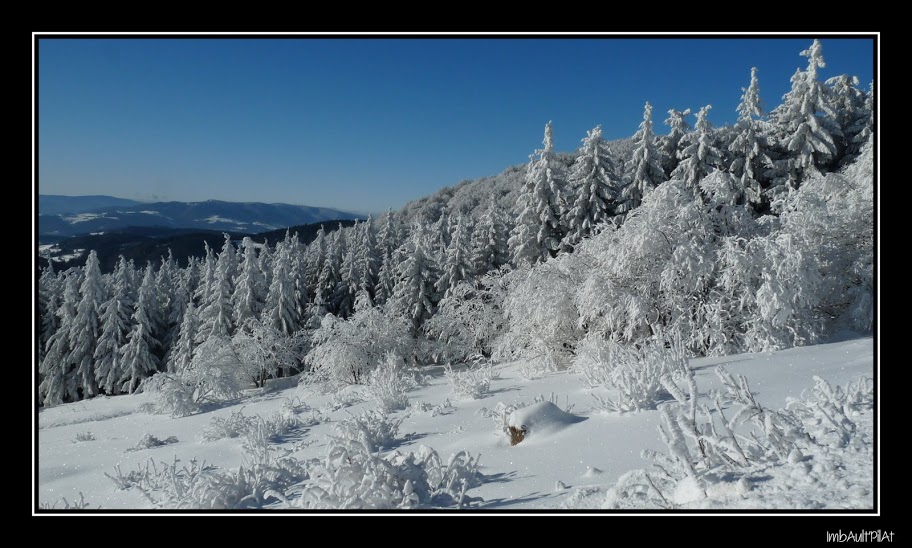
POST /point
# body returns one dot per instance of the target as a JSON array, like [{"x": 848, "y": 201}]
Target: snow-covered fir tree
[
  {"x": 140, "y": 355},
  {"x": 280, "y": 310},
  {"x": 216, "y": 313},
  {"x": 803, "y": 127},
  {"x": 250, "y": 290},
  {"x": 678, "y": 128},
  {"x": 182, "y": 353},
  {"x": 48, "y": 303},
  {"x": 86, "y": 327},
  {"x": 58, "y": 383},
  {"x": 644, "y": 170},
  {"x": 595, "y": 183},
  {"x": 116, "y": 322},
  {"x": 748, "y": 148},
  {"x": 350, "y": 275},
  {"x": 851, "y": 108},
  {"x": 457, "y": 262},
  {"x": 539, "y": 232},
  {"x": 699, "y": 157},
  {"x": 367, "y": 257},
  {"x": 414, "y": 295},
  {"x": 489, "y": 242}
]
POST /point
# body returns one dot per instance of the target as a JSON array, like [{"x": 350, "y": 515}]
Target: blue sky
[{"x": 367, "y": 124}]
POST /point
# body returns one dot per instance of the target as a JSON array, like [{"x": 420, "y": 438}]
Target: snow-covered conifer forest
[{"x": 616, "y": 327}]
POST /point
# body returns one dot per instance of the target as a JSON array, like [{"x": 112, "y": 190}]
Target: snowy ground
[{"x": 564, "y": 461}]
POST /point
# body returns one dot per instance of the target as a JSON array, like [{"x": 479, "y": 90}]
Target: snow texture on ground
[{"x": 569, "y": 460}]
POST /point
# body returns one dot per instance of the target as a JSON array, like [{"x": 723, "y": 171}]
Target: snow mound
[{"x": 541, "y": 418}]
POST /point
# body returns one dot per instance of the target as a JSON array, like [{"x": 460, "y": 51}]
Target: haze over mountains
[{"x": 63, "y": 216}]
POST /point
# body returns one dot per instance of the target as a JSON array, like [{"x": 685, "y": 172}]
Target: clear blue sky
[{"x": 366, "y": 124}]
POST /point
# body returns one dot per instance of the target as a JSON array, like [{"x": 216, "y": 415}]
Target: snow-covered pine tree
[
  {"x": 539, "y": 231},
  {"x": 699, "y": 157},
  {"x": 116, "y": 323},
  {"x": 489, "y": 242},
  {"x": 140, "y": 354},
  {"x": 803, "y": 127},
  {"x": 671, "y": 143},
  {"x": 414, "y": 295},
  {"x": 86, "y": 327},
  {"x": 645, "y": 166},
  {"x": 216, "y": 314},
  {"x": 457, "y": 264},
  {"x": 59, "y": 378},
  {"x": 594, "y": 180},
  {"x": 281, "y": 311},
  {"x": 250, "y": 290},
  {"x": 748, "y": 147}
]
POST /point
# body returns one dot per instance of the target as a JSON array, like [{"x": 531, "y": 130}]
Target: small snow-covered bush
[
  {"x": 149, "y": 441},
  {"x": 632, "y": 375},
  {"x": 84, "y": 436},
  {"x": 171, "y": 395},
  {"x": 264, "y": 477},
  {"x": 352, "y": 477},
  {"x": 78, "y": 504},
  {"x": 473, "y": 383},
  {"x": 212, "y": 377},
  {"x": 276, "y": 425},
  {"x": 374, "y": 429},
  {"x": 825, "y": 410},
  {"x": 388, "y": 383}
]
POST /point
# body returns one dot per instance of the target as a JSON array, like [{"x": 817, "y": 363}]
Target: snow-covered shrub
[
  {"x": 473, "y": 383},
  {"x": 264, "y": 477},
  {"x": 264, "y": 350},
  {"x": 78, "y": 504},
  {"x": 632, "y": 375},
  {"x": 541, "y": 315},
  {"x": 148, "y": 441},
  {"x": 825, "y": 410},
  {"x": 216, "y": 371},
  {"x": 345, "y": 351},
  {"x": 233, "y": 426},
  {"x": 352, "y": 477},
  {"x": 346, "y": 397},
  {"x": 719, "y": 447},
  {"x": 276, "y": 425},
  {"x": 84, "y": 436},
  {"x": 469, "y": 318},
  {"x": 389, "y": 382},
  {"x": 373, "y": 429},
  {"x": 171, "y": 395}
]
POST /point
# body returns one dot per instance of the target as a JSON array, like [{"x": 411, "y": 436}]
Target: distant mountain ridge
[
  {"x": 60, "y": 218},
  {"x": 55, "y": 204}
]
